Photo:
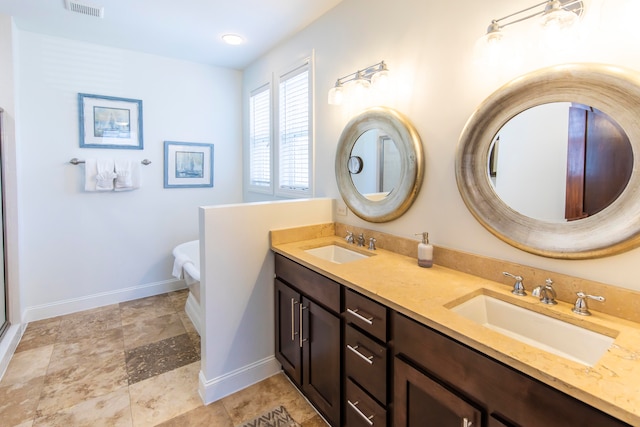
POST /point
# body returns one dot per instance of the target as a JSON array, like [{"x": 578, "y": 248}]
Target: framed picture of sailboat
[
  {"x": 109, "y": 122},
  {"x": 188, "y": 164}
]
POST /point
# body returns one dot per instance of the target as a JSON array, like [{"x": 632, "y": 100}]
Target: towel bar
[{"x": 76, "y": 161}]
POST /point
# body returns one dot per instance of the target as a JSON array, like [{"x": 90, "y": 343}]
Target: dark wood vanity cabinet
[
  {"x": 308, "y": 331},
  {"x": 434, "y": 371},
  {"x": 421, "y": 401},
  {"x": 372, "y": 366},
  {"x": 366, "y": 362}
]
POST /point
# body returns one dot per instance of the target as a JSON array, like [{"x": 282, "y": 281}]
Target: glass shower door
[{"x": 4, "y": 324}]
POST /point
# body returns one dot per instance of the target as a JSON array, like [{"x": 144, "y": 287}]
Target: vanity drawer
[
  {"x": 366, "y": 363},
  {"x": 367, "y": 314},
  {"x": 359, "y": 407},
  {"x": 319, "y": 288}
]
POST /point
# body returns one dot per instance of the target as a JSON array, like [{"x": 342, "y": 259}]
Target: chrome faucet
[
  {"x": 349, "y": 237},
  {"x": 546, "y": 293},
  {"x": 518, "y": 287},
  {"x": 580, "y": 307},
  {"x": 361, "y": 239},
  {"x": 372, "y": 243}
]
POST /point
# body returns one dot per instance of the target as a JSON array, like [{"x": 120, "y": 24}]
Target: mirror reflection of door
[
  {"x": 389, "y": 159},
  {"x": 560, "y": 162},
  {"x": 380, "y": 172},
  {"x": 599, "y": 162}
]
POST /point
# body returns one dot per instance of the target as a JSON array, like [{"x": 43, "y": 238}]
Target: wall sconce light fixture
[
  {"x": 557, "y": 18},
  {"x": 358, "y": 84}
]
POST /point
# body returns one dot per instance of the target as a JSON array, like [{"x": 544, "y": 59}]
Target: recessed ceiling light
[{"x": 232, "y": 39}]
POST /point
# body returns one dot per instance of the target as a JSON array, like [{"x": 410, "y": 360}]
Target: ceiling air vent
[{"x": 84, "y": 8}]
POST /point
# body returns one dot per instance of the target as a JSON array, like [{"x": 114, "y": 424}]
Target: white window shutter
[
  {"x": 294, "y": 130},
  {"x": 260, "y": 138}
]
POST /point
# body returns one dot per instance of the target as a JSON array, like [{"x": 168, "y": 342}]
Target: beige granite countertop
[{"x": 424, "y": 294}]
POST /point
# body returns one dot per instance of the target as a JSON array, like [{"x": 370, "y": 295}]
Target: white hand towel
[
  {"x": 98, "y": 175},
  {"x": 90, "y": 171},
  {"x": 178, "y": 263},
  {"x": 105, "y": 175},
  {"x": 127, "y": 175}
]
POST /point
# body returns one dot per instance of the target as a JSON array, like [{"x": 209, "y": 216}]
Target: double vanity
[{"x": 372, "y": 339}]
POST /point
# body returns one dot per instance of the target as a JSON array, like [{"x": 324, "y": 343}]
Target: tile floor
[{"x": 129, "y": 364}]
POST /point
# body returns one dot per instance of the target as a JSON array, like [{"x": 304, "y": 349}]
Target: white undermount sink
[
  {"x": 544, "y": 332},
  {"x": 336, "y": 254}
]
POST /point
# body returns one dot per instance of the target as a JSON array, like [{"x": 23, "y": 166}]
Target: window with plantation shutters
[
  {"x": 260, "y": 139},
  {"x": 294, "y": 131}
]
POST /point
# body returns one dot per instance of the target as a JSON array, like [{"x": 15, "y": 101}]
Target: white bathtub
[{"x": 189, "y": 255}]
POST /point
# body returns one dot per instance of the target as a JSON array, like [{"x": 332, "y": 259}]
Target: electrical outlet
[{"x": 341, "y": 209}]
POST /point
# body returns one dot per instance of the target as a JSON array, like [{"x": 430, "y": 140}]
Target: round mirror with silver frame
[
  {"x": 409, "y": 164},
  {"x": 614, "y": 91}
]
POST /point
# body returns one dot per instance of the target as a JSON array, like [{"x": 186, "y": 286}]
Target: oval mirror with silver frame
[
  {"x": 393, "y": 161},
  {"x": 613, "y": 90}
]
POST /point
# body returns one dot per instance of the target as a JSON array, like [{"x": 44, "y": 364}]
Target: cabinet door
[
  {"x": 321, "y": 359},
  {"x": 288, "y": 345},
  {"x": 422, "y": 402}
]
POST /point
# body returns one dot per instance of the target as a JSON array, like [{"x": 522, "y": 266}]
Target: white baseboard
[
  {"x": 224, "y": 385},
  {"x": 194, "y": 312},
  {"x": 59, "y": 308},
  {"x": 8, "y": 345}
]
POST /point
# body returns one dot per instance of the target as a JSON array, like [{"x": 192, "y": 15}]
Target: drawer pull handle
[
  {"x": 302, "y": 339},
  {"x": 362, "y": 356},
  {"x": 369, "y": 320},
  {"x": 466, "y": 422},
  {"x": 354, "y": 406},
  {"x": 293, "y": 319}
]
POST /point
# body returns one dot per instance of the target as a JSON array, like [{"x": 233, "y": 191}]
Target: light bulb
[
  {"x": 496, "y": 49},
  {"x": 556, "y": 18},
  {"x": 232, "y": 39},
  {"x": 380, "y": 80},
  {"x": 360, "y": 88},
  {"x": 560, "y": 28},
  {"x": 336, "y": 95}
]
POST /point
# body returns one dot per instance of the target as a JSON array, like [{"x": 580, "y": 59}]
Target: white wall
[
  {"x": 429, "y": 47},
  {"x": 237, "y": 296},
  {"x": 532, "y": 162},
  {"x": 8, "y": 102},
  {"x": 88, "y": 249}
]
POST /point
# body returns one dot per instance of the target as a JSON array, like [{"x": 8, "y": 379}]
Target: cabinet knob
[{"x": 466, "y": 422}]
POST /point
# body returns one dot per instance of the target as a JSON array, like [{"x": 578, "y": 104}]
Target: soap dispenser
[{"x": 425, "y": 251}]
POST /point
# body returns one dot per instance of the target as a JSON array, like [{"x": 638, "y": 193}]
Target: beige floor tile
[
  {"x": 146, "y": 308},
  {"x": 270, "y": 393},
  {"x": 18, "y": 402},
  {"x": 110, "y": 410},
  {"x": 179, "y": 299},
  {"x": 188, "y": 325},
  {"x": 68, "y": 387},
  {"x": 316, "y": 421},
  {"x": 88, "y": 323},
  {"x": 147, "y": 331},
  {"x": 27, "y": 365},
  {"x": 211, "y": 415},
  {"x": 104, "y": 345},
  {"x": 39, "y": 334},
  {"x": 165, "y": 396}
]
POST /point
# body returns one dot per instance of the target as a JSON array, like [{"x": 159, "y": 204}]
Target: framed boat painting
[
  {"x": 188, "y": 164},
  {"x": 110, "y": 122}
]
